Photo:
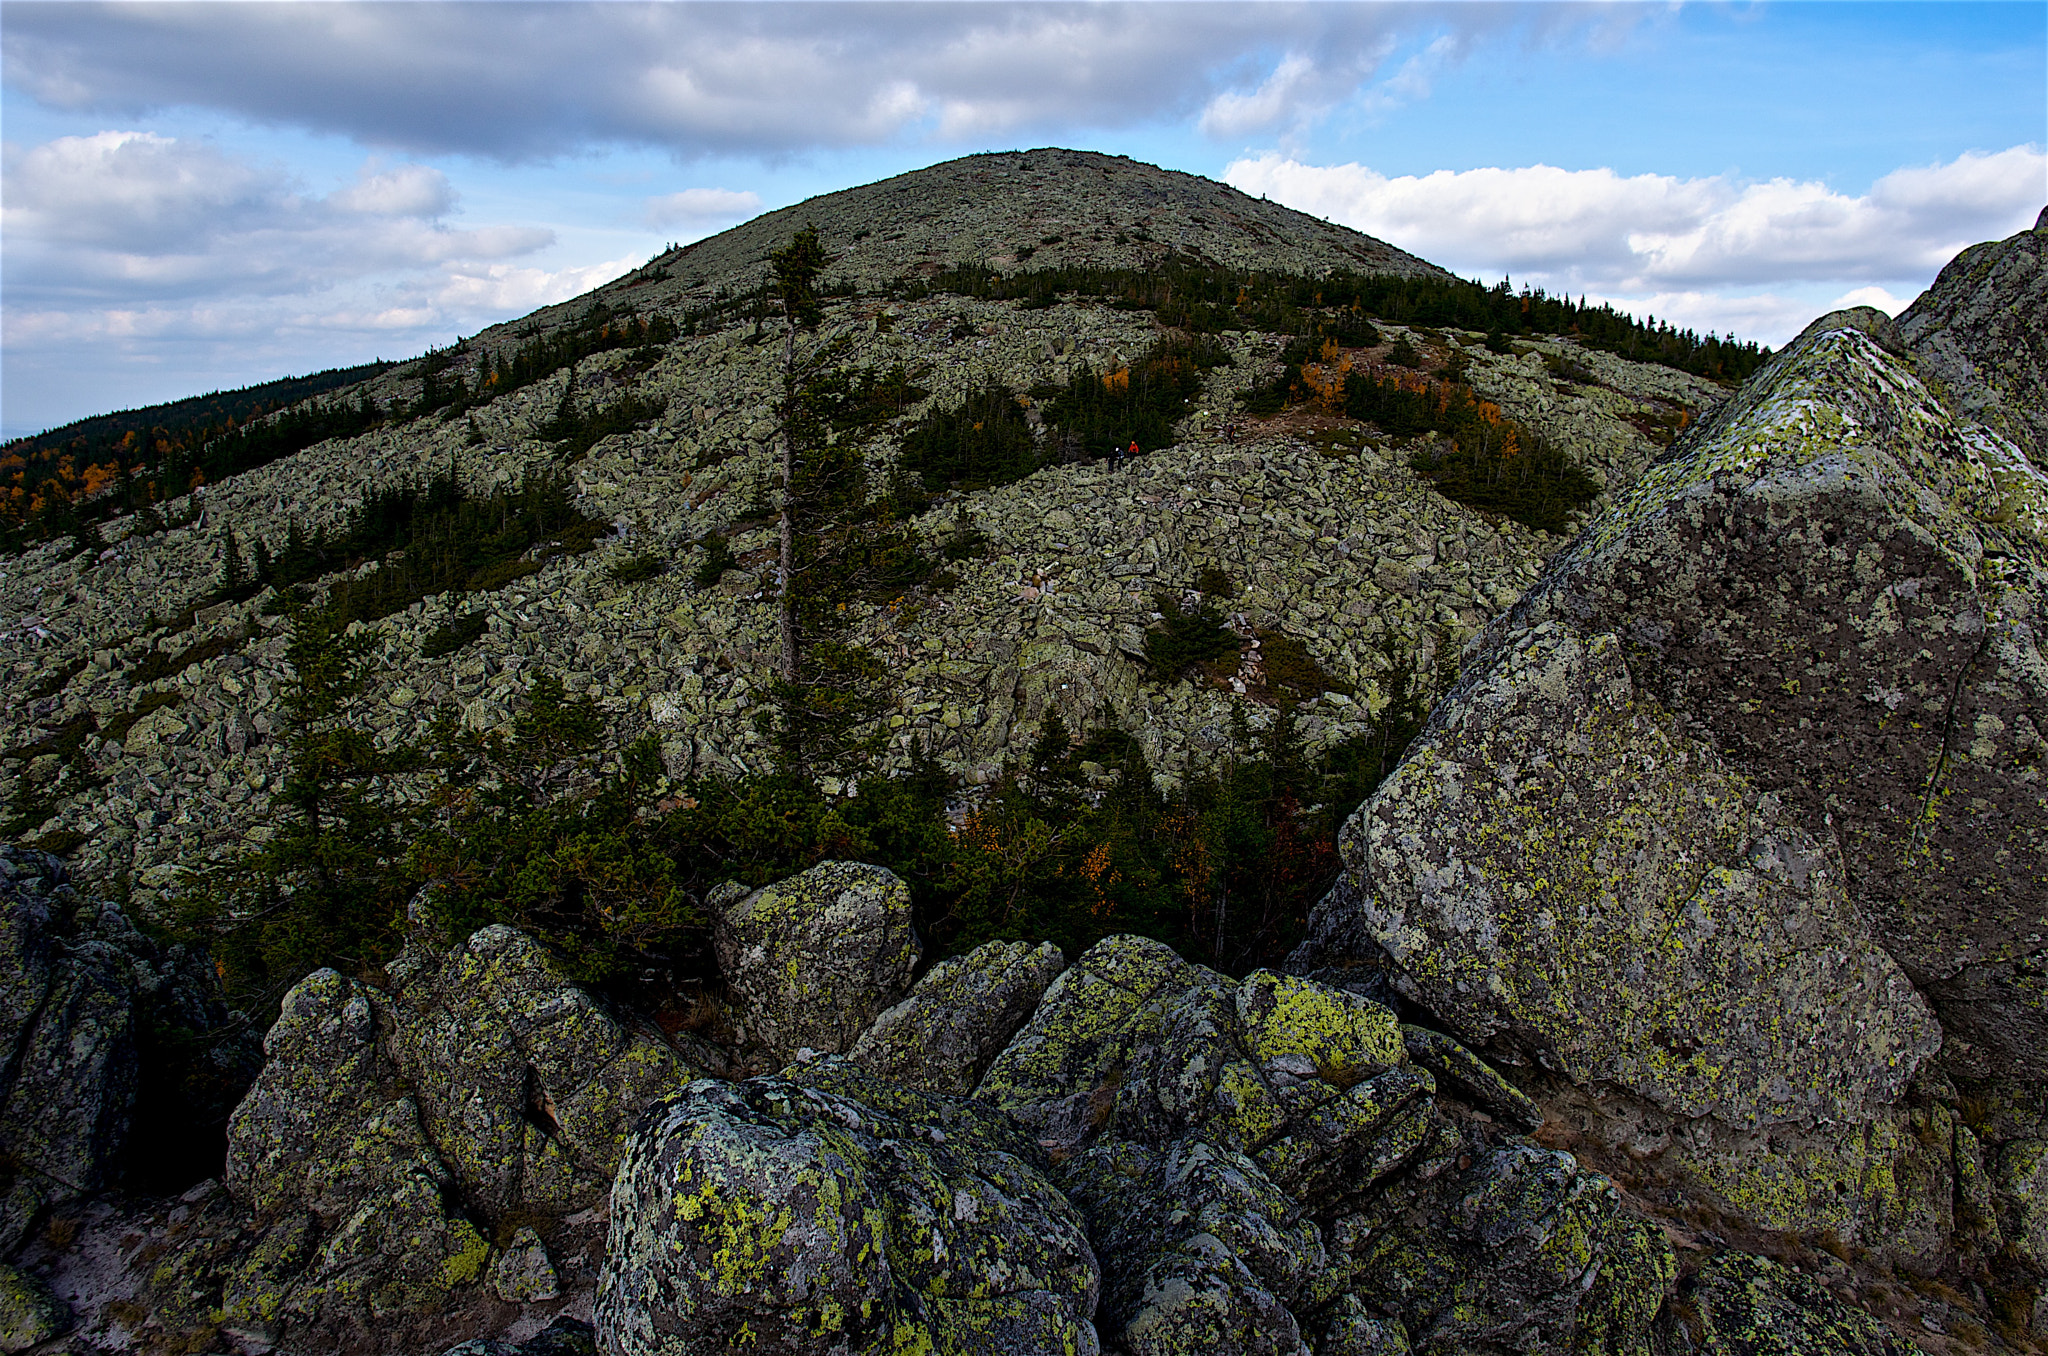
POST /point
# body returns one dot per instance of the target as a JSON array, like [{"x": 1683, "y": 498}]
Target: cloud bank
[
  {"x": 531, "y": 81},
  {"x": 1681, "y": 246}
]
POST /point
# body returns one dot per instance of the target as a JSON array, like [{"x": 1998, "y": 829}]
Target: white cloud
[
  {"x": 1271, "y": 105},
  {"x": 408, "y": 191},
  {"x": 698, "y": 207},
  {"x": 1678, "y": 241},
  {"x": 504, "y": 289},
  {"x": 130, "y": 253},
  {"x": 538, "y": 80},
  {"x": 121, "y": 216}
]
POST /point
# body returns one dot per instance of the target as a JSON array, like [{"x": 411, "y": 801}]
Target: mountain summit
[{"x": 1037, "y": 209}]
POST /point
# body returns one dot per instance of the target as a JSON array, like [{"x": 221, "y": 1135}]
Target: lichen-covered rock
[
  {"x": 390, "y": 1134},
  {"x": 1892, "y": 698},
  {"x": 1497, "y": 1256},
  {"x": 959, "y": 1016},
  {"x": 800, "y": 1219},
  {"x": 1556, "y": 864},
  {"x": 1458, "y": 1069},
  {"x": 2020, "y": 1173},
  {"x": 810, "y": 961},
  {"x": 522, "y": 1273},
  {"x": 526, "y": 1081},
  {"x": 1618, "y": 1316},
  {"x": 1134, "y": 1044},
  {"x": 29, "y": 1314},
  {"x": 323, "y": 1071},
  {"x": 395, "y": 1242},
  {"x": 1744, "y": 793},
  {"x": 1977, "y": 331},
  {"x": 1200, "y": 1251},
  {"x": 1351, "y": 1329},
  {"x": 1751, "y": 1306},
  {"x": 83, "y": 995}
]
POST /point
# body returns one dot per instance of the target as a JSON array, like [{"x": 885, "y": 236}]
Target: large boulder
[
  {"x": 1200, "y": 1251},
  {"x": 90, "y": 1010},
  {"x": 811, "y": 961},
  {"x": 829, "y": 1212},
  {"x": 1978, "y": 332},
  {"x": 1556, "y": 866},
  {"x": 1737, "y": 818},
  {"x": 394, "y": 1134},
  {"x": 527, "y": 1083},
  {"x": 959, "y": 1017},
  {"x": 361, "y": 1218}
]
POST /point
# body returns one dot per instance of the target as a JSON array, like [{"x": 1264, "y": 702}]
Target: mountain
[
  {"x": 1651, "y": 720},
  {"x": 1054, "y": 608}
]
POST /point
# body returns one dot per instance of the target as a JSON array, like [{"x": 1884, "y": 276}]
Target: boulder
[
  {"x": 1977, "y": 332},
  {"x": 811, "y": 961},
  {"x": 959, "y": 1016},
  {"x": 1200, "y": 1251},
  {"x": 1497, "y": 1256},
  {"x": 29, "y": 1314},
  {"x": 1134, "y": 1044},
  {"x": 1736, "y": 819},
  {"x": 829, "y": 1212},
  {"x": 1557, "y": 867},
  {"x": 361, "y": 1218},
  {"x": 105, "y": 1034},
  {"x": 392, "y": 1134},
  {"x": 1750, "y": 1306},
  {"x": 526, "y": 1081}
]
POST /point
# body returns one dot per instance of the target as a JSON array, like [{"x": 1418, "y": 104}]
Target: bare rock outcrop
[
  {"x": 1737, "y": 818},
  {"x": 392, "y": 1132},
  {"x": 1978, "y": 333}
]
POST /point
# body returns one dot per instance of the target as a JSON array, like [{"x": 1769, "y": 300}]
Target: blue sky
[{"x": 202, "y": 196}]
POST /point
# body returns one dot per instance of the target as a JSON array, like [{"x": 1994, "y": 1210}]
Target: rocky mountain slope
[
  {"x": 1338, "y": 544},
  {"x": 1681, "y": 992}
]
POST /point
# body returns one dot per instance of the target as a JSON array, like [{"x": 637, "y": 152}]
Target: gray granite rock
[
  {"x": 959, "y": 1016},
  {"x": 811, "y": 961},
  {"x": 804, "y": 1219}
]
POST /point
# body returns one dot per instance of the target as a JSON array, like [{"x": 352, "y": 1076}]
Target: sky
[{"x": 200, "y": 196}]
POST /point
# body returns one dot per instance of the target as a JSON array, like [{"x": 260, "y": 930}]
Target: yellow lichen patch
[{"x": 1344, "y": 1036}]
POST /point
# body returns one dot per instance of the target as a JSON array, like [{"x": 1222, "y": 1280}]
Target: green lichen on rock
[
  {"x": 1618, "y": 1316},
  {"x": 2021, "y": 1175},
  {"x": 1498, "y": 1254},
  {"x": 1739, "y": 1305},
  {"x": 526, "y": 1081},
  {"x": 1470, "y": 1076},
  {"x": 1976, "y": 332},
  {"x": 1558, "y": 865},
  {"x": 812, "y": 960},
  {"x": 797, "y": 1218},
  {"x": 29, "y": 1314},
  {"x": 389, "y": 1132},
  {"x": 1201, "y": 1252},
  {"x": 959, "y": 1017},
  {"x": 1134, "y": 1044}
]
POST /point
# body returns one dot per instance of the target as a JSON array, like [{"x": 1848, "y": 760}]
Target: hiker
[
  {"x": 1116, "y": 456},
  {"x": 1133, "y": 452}
]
